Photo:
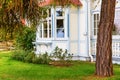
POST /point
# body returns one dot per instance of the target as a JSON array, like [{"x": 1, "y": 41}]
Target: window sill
[{"x": 43, "y": 42}]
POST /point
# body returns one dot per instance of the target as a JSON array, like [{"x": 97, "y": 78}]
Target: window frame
[
  {"x": 48, "y": 20},
  {"x": 93, "y": 23},
  {"x": 64, "y": 26},
  {"x": 92, "y": 31}
]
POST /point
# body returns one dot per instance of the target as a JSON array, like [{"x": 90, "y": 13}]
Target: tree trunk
[{"x": 104, "y": 65}]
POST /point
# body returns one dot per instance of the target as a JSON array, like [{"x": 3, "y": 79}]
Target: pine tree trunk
[{"x": 104, "y": 65}]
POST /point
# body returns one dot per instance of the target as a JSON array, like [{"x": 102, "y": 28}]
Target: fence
[{"x": 115, "y": 50}]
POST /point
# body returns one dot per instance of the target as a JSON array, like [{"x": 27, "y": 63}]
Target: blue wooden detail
[{"x": 68, "y": 25}]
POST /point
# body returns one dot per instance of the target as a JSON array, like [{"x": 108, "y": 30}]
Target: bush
[
  {"x": 42, "y": 59},
  {"x": 24, "y": 40},
  {"x": 30, "y": 57},
  {"x": 19, "y": 55},
  {"x": 61, "y": 55}
]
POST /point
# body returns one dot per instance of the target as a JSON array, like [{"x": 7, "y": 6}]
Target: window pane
[
  {"x": 45, "y": 29},
  {"x": 96, "y": 23},
  {"x": 50, "y": 33},
  {"x": 49, "y": 12},
  {"x": 97, "y": 16},
  {"x": 40, "y": 31},
  {"x": 60, "y": 23},
  {"x": 60, "y": 28},
  {"x": 94, "y": 17},
  {"x": 45, "y": 24},
  {"x": 45, "y": 33},
  {"x": 50, "y": 28},
  {"x": 59, "y": 12},
  {"x": 94, "y": 31}
]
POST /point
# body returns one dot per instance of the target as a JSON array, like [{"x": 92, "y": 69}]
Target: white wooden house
[{"x": 74, "y": 28}]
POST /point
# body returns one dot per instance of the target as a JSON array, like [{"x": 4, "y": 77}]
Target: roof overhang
[{"x": 51, "y": 2}]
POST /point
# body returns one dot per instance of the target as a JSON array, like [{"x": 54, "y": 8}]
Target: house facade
[{"x": 74, "y": 28}]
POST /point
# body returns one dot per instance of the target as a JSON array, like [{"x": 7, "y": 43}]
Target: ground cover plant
[{"x": 16, "y": 70}]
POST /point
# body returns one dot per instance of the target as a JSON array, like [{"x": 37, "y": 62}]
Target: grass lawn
[{"x": 16, "y": 70}]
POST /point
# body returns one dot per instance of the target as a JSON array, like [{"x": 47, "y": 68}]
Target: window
[
  {"x": 96, "y": 23},
  {"x": 60, "y": 29},
  {"x": 55, "y": 21},
  {"x": 45, "y": 28},
  {"x": 116, "y": 27}
]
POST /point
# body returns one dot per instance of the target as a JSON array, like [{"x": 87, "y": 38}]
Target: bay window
[{"x": 54, "y": 25}]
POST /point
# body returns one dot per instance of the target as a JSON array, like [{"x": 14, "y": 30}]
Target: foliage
[
  {"x": 20, "y": 55},
  {"x": 13, "y": 12},
  {"x": 61, "y": 55},
  {"x": 30, "y": 57},
  {"x": 42, "y": 58},
  {"x": 24, "y": 40}
]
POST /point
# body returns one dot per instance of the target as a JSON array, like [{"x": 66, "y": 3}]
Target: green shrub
[
  {"x": 24, "y": 40},
  {"x": 29, "y": 57},
  {"x": 42, "y": 59},
  {"x": 61, "y": 55},
  {"x": 20, "y": 55}
]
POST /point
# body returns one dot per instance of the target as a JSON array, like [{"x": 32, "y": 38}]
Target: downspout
[{"x": 88, "y": 32}]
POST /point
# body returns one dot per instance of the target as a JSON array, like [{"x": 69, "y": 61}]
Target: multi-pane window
[
  {"x": 116, "y": 27},
  {"x": 60, "y": 29},
  {"x": 45, "y": 28},
  {"x": 96, "y": 23},
  {"x": 58, "y": 26}
]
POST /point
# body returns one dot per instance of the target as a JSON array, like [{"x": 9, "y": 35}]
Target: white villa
[{"x": 74, "y": 28}]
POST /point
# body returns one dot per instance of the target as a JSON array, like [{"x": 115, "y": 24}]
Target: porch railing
[{"x": 115, "y": 49}]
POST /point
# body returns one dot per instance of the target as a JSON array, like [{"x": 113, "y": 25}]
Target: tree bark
[{"x": 104, "y": 65}]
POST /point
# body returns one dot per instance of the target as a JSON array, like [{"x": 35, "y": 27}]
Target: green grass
[{"x": 16, "y": 70}]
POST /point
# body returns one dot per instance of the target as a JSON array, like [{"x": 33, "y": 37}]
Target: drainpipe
[{"x": 88, "y": 30}]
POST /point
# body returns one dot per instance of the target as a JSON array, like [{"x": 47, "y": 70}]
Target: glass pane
[
  {"x": 49, "y": 24},
  {"x": 50, "y": 33},
  {"x": 97, "y": 24},
  {"x": 45, "y": 33},
  {"x": 45, "y": 25},
  {"x": 60, "y": 33},
  {"x": 59, "y": 12},
  {"x": 49, "y": 11},
  {"x": 97, "y": 16},
  {"x": 45, "y": 29},
  {"x": 60, "y": 23},
  {"x": 40, "y": 27},
  {"x": 94, "y": 17},
  {"x": 60, "y": 28},
  {"x": 94, "y": 31},
  {"x": 40, "y": 33},
  {"x": 94, "y": 24}
]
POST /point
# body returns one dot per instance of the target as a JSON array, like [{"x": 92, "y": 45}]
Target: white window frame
[
  {"x": 53, "y": 19},
  {"x": 116, "y": 36},
  {"x": 93, "y": 23},
  {"x": 64, "y": 22},
  {"x": 49, "y": 20},
  {"x": 98, "y": 12}
]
